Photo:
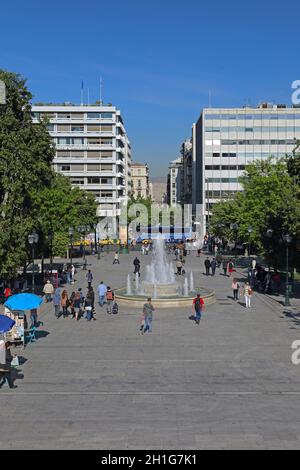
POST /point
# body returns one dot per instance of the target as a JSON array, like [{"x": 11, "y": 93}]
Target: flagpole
[{"x": 81, "y": 92}]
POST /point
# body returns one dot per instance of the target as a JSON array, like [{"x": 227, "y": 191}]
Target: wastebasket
[{"x": 125, "y": 250}]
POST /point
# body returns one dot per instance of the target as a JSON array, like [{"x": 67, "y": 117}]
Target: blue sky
[{"x": 158, "y": 59}]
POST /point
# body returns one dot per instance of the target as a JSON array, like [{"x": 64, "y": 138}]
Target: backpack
[
  {"x": 198, "y": 305},
  {"x": 115, "y": 309},
  {"x": 110, "y": 295}
]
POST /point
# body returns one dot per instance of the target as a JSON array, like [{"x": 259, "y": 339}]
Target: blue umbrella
[
  {"x": 23, "y": 302},
  {"x": 6, "y": 323}
]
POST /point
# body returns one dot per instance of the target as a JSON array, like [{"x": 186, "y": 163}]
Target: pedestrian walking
[
  {"x": 89, "y": 277},
  {"x": 71, "y": 304},
  {"x": 5, "y": 360},
  {"x": 33, "y": 317},
  {"x": 77, "y": 304},
  {"x": 148, "y": 310},
  {"x": 7, "y": 292},
  {"x": 179, "y": 267},
  {"x": 137, "y": 266},
  {"x": 213, "y": 265},
  {"x": 57, "y": 302},
  {"x": 219, "y": 259},
  {"x": 48, "y": 291},
  {"x": 207, "y": 265},
  {"x": 198, "y": 306},
  {"x": 64, "y": 303},
  {"x": 91, "y": 297},
  {"x": 88, "y": 309},
  {"x": 235, "y": 288},
  {"x": 224, "y": 266},
  {"x": 248, "y": 294},
  {"x": 73, "y": 272},
  {"x": 230, "y": 267},
  {"x": 102, "y": 289},
  {"x": 116, "y": 258},
  {"x": 110, "y": 297}
]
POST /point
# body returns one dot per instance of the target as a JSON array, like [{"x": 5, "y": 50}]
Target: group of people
[
  {"x": 228, "y": 266},
  {"x": 79, "y": 304}
]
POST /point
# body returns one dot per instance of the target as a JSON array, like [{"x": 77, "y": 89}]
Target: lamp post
[
  {"x": 288, "y": 240},
  {"x": 33, "y": 239},
  {"x": 250, "y": 230},
  {"x": 71, "y": 234},
  {"x": 50, "y": 238},
  {"x": 94, "y": 226},
  {"x": 235, "y": 228},
  {"x": 83, "y": 229}
]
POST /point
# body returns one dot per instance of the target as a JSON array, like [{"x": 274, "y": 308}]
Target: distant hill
[{"x": 158, "y": 179}]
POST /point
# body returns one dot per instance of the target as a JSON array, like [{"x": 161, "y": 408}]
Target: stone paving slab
[{"x": 227, "y": 384}]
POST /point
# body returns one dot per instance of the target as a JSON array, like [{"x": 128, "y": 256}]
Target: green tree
[
  {"x": 26, "y": 153},
  {"x": 59, "y": 206}
]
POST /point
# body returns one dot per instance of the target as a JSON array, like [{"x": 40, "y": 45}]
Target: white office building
[
  {"x": 226, "y": 140},
  {"x": 93, "y": 150},
  {"x": 175, "y": 182}
]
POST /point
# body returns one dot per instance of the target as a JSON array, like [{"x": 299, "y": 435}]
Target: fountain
[
  {"x": 129, "y": 289},
  {"x": 160, "y": 283},
  {"x": 192, "y": 284}
]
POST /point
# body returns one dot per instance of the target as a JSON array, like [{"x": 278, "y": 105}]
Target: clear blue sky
[{"x": 158, "y": 59}]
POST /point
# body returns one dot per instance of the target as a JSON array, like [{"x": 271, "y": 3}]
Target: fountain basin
[
  {"x": 164, "y": 301},
  {"x": 162, "y": 290}
]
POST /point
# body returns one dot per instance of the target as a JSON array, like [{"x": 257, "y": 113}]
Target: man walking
[
  {"x": 57, "y": 302},
  {"x": 207, "y": 265},
  {"x": 213, "y": 267},
  {"x": 48, "y": 291},
  {"x": 89, "y": 278},
  {"x": 198, "y": 305},
  {"x": 137, "y": 266},
  {"x": 148, "y": 316},
  {"x": 102, "y": 290},
  {"x": 110, "y": 297},
  {"x": 116, "y": 258}
]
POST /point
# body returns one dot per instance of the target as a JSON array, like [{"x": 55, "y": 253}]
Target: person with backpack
[
  {"x": 207, "y": 265},
  {"x": 198, "y": 305},
  {"x": 230, "y": 267},
  {"x": 235, "y": 288},
  {"x": 248, "y": 292},
  {"x": 110, "y": 297}
]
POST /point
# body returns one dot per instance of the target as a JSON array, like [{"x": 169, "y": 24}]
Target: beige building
[{"x": 140, "y": 180}]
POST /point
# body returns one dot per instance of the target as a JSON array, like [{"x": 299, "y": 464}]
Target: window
[
  {"x": 77, "y": 154},
  {"x": 63, "y": 116},
  {"x": 77, "y": 128},
  {"x": 106, "y": 115},
  {"x": 50, "y": 127},
  {"x": 77, "y": 181},
  {"x": 93, "y": 180},
  {"x": 93, "y": 167},
  {"x": 229, "y": 155},
  {"x": 64, "y": 168},
  {"x": 93, "y": 115}
]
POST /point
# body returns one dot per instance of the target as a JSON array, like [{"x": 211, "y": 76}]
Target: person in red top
[
  {"x": 198, "y": 306},
  {"x": 7, "y": 292}
]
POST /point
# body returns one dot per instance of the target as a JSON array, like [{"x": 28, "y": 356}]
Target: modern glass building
[{"x": 226, "y": 140}]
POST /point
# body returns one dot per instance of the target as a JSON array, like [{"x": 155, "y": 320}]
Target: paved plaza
[{"x": 228, "y": 383}]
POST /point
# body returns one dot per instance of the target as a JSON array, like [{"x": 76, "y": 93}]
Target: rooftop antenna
[
  {"x": 81, "y": 100},
  {"x": 209, "y": 98},
  {"x": 101, "y": 90}
]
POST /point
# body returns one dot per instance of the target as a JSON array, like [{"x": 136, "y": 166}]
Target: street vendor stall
[{"x": 15, "y": 308}]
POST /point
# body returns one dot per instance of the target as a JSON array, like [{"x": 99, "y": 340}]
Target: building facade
[
  {"x": 175, "y": 182},
  {"x": 140, "y": 180},
  {"x": 93, "y": 150},
  {"x": 225, "y": 141}
]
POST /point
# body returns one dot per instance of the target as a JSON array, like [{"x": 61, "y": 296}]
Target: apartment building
[
  {"x": 93, "y": 150},
  {"x": 225, "y": 140},
  {"x": 140, "y": 180},
  {"x": 175, "y": 182}
]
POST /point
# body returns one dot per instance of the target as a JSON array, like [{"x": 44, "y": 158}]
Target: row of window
[
  {"x": 89, "y": 154},
  {"x": 252, "y": 155},
  {"x": 255, "y": 117},
  {"x": 291, "y": 129},
  {"x": 77, "y": 116},
  {"x": 91, "y": 168},
  {"x": 82, "y": 141},
  {"x": 79, "y": 129},
  {"x": 225, "y": 167},
  {"x": 250, "y": 142},
  {"x": 222, "y": 180},
  {"x": 221, "y": 194}
]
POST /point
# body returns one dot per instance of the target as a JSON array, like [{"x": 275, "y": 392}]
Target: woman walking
[
  {"x": 77, "y": 305},
  {"x": 57, "y": 302},
  {"x": 72, "y": 297},
  {"x": 248, "y": 294},
  {"x": 235, "y": 288},
  {"x": 65, "y": 303}
]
